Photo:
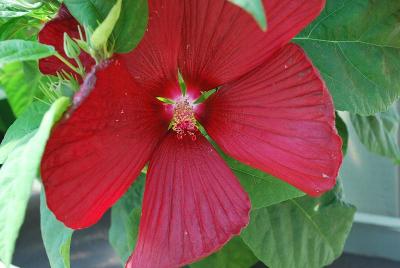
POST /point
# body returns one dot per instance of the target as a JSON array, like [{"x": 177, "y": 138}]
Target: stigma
[{"x": 183, "y": 121}]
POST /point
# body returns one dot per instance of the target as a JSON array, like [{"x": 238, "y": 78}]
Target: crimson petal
[
  {"x": 153, "y": 64},
  {"x": 280, "y": 119},
  {"x": 192, "y": 205},
  {"x": 221, "y": 42},
  {"x": 97, "y": 151},
  {"x": 53, "y": 34}
]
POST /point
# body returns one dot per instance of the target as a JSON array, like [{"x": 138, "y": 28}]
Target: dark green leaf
[
  {"x": 125, "y": 217},
  {"x": 131, "y": 24},
  {"x": 21, "y": 50},
  {"x": 17, "y": 175},
  {"x": 56, "y": 237},
  {"x": 6, "y": 117},
  {"x": 256, "y": 9},
  {"x": 343, "y": 132},
  {"x": 300, "y": 233},
  {"x": 235, "y": 254},
  {"x": 89, "y": 12},
  {"x": 379, "y": 133},
  {"x": 356, "y": 46}
]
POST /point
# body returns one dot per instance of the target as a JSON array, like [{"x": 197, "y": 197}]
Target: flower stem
[{"x": 70, "y": 65}]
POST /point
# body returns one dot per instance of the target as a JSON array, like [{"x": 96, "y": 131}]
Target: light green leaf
[
  {"x": 17, "y": 175},
  {"x": 20, "y": 28},
  {"x": 235, "y": 254},
  {"x": 379, "y": 132},
  {"x": 20, "y": 50},
  {"x": 20, "y": 81},
  {"x": 254, "y": 8},
  {"x": 27, "y": 123},
  {"x": 356, "y": 46},
  {"x": 21, "y": 4},
  {"x": 56, "y": 237},
  {"x": 103, "y": 31},
  {"x": 264, "y": 190},
  {"x": 300, "y": 233},
  {"x": 125, "y": 217}
]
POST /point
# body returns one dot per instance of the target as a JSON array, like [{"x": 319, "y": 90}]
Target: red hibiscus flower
[{"x": 271, "y": 110}]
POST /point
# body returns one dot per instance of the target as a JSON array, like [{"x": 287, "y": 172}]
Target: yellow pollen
[{"x": 183, "y": 121}]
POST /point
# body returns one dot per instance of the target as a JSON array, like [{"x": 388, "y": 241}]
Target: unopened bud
[{"x": 71, "y": 48}]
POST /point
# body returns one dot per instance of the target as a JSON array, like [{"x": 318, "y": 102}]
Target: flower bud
[{"x": 71, "y": 48}]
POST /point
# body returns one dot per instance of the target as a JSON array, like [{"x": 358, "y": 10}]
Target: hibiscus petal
[
  {"x": 192, "y": 205},
  {"x": 100, "y": 147},
  {"x": 153, "y": 64},
  {"x": 280, "y": 119},
  {"x": 221, "y": 42},
  {"x": 53, "y": 34}
]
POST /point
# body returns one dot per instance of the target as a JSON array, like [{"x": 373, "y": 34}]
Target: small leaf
[
  {"x": 17, "y": 175},
  {"x": 56, "y": 237},
  {"x": 165, "y": 100},
  {"x": 254, "y": 8},
  {"x": 379, "y": 132},
  {"x": 300, "y": 233},
  {"x": 204, "y": 96},
  {"x": 235, "y": 254},
  {"x": 20, "y": 50},
  {"x": 125, "y": 217},
  {"x": 100, "y": 36}
]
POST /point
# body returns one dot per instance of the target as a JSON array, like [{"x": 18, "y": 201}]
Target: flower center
[{"x": 183, "y": 120}]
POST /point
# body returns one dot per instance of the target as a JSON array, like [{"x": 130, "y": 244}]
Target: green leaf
[
  {"x": 20, "y": 81},
  {"x": 130, "y": 26},
  {"x": 379, "y": 132},
  {"x": 89, "y": 12},
  {"x": 125, "y": 217},
  {"x": 100, "y": 36},
  {"x": 254, "y": 8},
  {"x": 27, "y": 123},
  {"x": 56, "y": 237},
  {"x": 356, "y": 46},
  {"x": 235, "y": 254},
  {"x": 17, "y": 175},
  {"x": 343, "y": 132},
  {"x": 20, "y": 50},
  {"x": 264, "y": 190},
  {"x": 300, "y": 233},
  {"x": 20, "y": 28}
]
